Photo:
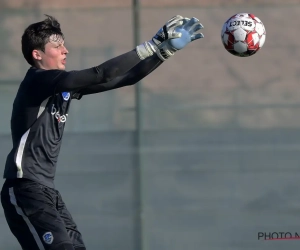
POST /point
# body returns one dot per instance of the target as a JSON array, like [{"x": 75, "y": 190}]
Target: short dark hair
[{"x": 37, "y": 35}]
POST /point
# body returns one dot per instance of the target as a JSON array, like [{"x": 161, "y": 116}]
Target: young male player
[{"x": 34, "y": 209}]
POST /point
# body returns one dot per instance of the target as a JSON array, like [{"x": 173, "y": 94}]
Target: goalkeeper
[{"x": 35, "y": 211}]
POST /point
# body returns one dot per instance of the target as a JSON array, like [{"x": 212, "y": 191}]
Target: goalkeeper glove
[
  {"x": 148, "y": 48},
  {"x": 183, "y": 30}
]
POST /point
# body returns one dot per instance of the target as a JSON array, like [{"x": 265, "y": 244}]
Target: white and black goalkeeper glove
[
  {"x": 166, "y": 32},
  {"x": 174, "y": 35}
]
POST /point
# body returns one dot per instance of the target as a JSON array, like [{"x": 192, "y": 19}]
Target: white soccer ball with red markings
[{"x": 243, "y": 34}]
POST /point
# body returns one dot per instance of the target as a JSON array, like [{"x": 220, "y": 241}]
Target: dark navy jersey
[
  {"x": 38, "y": 119},
  {"x": 40, "y": 110}
]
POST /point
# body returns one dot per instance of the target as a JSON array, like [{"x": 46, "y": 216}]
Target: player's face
[{"x": 55, "y": 54}]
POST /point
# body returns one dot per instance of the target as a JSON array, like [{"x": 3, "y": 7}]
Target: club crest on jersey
[
  {"x": 65, "y": 95},
  {"x": 48, "y": 238}
]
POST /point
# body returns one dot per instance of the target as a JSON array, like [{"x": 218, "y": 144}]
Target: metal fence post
[{"x": 138, "y": 173}]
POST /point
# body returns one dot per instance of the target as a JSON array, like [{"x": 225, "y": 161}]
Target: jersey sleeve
[{"x": 130, "y": 77}]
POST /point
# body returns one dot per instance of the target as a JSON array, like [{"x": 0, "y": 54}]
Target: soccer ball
[{"x": 243, "y": 34}]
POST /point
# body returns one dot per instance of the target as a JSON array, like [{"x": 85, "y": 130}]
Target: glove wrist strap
[
  {"x": 164, "y": 51},
  {"x": 145, "y": 50}
]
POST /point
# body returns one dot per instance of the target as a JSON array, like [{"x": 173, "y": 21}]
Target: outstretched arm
[
  {"x": 188, "y": 32},
  {"x": 131, "y": 77}
]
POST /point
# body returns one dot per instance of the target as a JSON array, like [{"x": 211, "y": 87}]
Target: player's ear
[{"x": 36, "y": 55}]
